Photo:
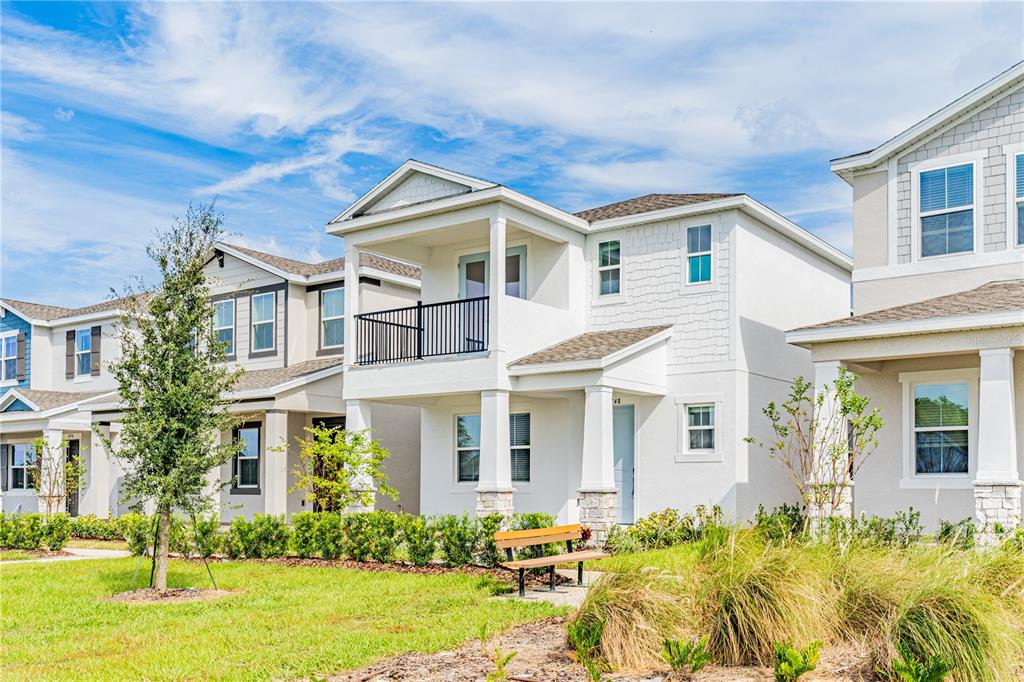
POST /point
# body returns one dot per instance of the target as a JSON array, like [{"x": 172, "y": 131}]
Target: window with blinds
[
  {"x": 1018, "y": 196},
  {"x": 947, "y": 210},
  {"x": 519, "y": 439},
  {"x": 467, "y": 447}
]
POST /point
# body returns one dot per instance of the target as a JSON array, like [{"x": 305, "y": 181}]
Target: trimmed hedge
[{"x": 34, "y": 531}]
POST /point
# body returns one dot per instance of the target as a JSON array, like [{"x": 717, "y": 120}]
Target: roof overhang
[
  {"x": 592, "y": 363},
  {"x": 1008, "y": 80},
  {"x": 36, "y": 413},
  {"x": 851, "y": 332},
  {"x": 62, "y": 321}
]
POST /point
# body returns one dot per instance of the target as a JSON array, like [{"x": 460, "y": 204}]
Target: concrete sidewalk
[{"x": 564, "y": 595}]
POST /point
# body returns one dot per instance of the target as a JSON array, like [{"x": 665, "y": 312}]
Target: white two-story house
[
  {"x": 938, "y": 295},
  {"x": 596, "y": 366},
  {"x": 283, "y": 321}
]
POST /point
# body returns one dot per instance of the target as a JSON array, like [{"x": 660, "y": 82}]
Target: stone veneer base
[
  {"x": 599, "y": 511},
  {"x": 494, "y": 502},
  {"x": 996, "y": 502}
]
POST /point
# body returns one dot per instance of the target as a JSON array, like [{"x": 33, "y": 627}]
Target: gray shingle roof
[
  {"x": 48, "y": 400},
  {"x": 988, "y": 298},
  {"x": 295, "y": 267},
  {"x": 590, "y": 346},
  {"x": 268, "y": 378},
  {"x": 646, "y": 204}
]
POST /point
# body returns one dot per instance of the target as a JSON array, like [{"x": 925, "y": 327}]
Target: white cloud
[
  {"x": 64, "y": 115},
  {"x": 18, "y": 128}
]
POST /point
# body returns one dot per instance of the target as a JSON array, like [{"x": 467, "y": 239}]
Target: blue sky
[{"x": 116, "y": 116}]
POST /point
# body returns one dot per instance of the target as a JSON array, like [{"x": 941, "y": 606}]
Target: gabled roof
[
  {"x": 647, "y": 203},
  {"x": 591, "y": 346},
  {"x": 1007, "y": 81},
  {"x": 399, "y": 175},
  {"x": 44, "y": 401},
  {"x": 993, "y": 304},
  {"x": 42, "y": 313},
  {"x": 335, "y": 266}
]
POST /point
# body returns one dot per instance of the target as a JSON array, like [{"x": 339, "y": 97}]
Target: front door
[
  {"x": 623, "y": 429},
  {"x": 74, "y": 448}
]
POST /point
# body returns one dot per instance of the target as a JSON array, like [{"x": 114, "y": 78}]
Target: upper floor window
[
  {"x": 23, "y": 465},
  {"x": 1018, "y": 196},
  {"x": 332, "y": 318},
  {"x": 941, "y": 428},
  {"x": 83, "y": 352},
  {"x": 947, "y": 210},
  {"x": 224, "y": 324},
  {"x": 9, "y": 358},
  {"x": 698, "y": 254},
  {"x": 263, "y": 321},
  {"x": 609, "y": 268}
]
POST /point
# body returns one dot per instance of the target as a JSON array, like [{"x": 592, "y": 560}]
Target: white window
[
  {"x": 609, "y": 268},
  {"x": 700, "y": 428},
  {"x": 467, "y": 447},
  {"x": 224, "y": 324},
  {"x": 946, "y": 210},
  {"x": 698, "y": 254},
  {"x": 83, "y": 352},
  {"x": 941, "y": 428},
  {"x": 9, "y": 358},
  {"x": 519, "y": 438},
  {"x": 23, "y": 461},
  {"x": 248, "y": 460},
  {"x": 332, "y": 318},
  {"x": 1018, "y": 197},
  {"x": 264, "y": 310}
]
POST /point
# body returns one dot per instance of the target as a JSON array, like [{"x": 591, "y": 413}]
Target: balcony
[{"x": 423, "y": 331}]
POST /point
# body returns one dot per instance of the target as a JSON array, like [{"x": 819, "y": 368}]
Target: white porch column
[
  {"x": 598, "y": 496},
  {"x": 275, "y": 493},
  {"x": 52, "y": 487},
  {"x": 831, "y": 433},
  {"x": 351, "y": 352},
  {"x": 494, "y": 487},
  {"x": 358, "y": 417},
  {"x": 96, "y": 495},
  {"x": 997, "y": 486},
  {"x": 496, "y": 282}
]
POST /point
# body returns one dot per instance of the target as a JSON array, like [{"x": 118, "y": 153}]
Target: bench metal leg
[
  {"x": 522, "y": 582},
  {"x": 551, "y": 578},
  {"x": 579, "y": 574}
]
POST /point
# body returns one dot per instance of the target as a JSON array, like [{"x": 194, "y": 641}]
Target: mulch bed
[
  {"x": 175, "y": 595},
  {"x": 499, "y": 574},
  {"x": 543, "y": 656}
]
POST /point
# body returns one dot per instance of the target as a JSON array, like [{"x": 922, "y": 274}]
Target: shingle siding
[
  {"x": 417, "y": 188},
  {"x": 13, "y": 323},
  {"x": 999, "y": 124}
]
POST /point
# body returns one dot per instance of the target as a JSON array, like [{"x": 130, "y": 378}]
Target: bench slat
[
  {"x": 570, "y": 557},
  {"x": 537, "y": 536}
]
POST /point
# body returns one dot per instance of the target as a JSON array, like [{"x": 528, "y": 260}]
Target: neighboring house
[
  {"x": 597, "y": 366},
  {"x": 938, "y": 292},
  {"x": 284, "y": 322}
]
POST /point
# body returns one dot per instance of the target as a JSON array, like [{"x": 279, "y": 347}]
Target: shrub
[
  {"x": 910, "y": 668},
  {"x": 206, "y": 537},
  {"x": 304, "y": 534},
  {"x": 667, "y": 528},
  {"x": 57, "y": 531},
  {"x": 22, "y": 531},
  {"x": 370, "y": 535},
  {"x": 584, "y": 637},
  {"x": 686, "y": 656},
  {"x": 137, "y": 531},
  {"x": 959, "y": 534},
  {"x": 791, "y": 663},
  {"x": 328, "y": 538},
  {"x": 270, "y": 536},
  {"x": 487, "y": 526},
  {"x": 178, "y": 540},
  {"x": 420, "y": 540},
  {"x": 457, "y": 536},
  {"x": 785, "y": 522},
  {"x": 91, "y": 527}
]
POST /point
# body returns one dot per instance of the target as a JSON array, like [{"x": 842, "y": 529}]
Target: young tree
[
  {"x": 336, "y": 468},
  {"x": 822, "y": 438},
  {"x": 55, "y": 476},
  {"x": 172, "y": 380}
]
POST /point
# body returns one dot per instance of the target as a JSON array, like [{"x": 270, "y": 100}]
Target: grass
[
  {"x": 97, "y": 544},
  {"x": 15, "y": 555},
  {"x": 284, "y": 622},
  {"x": 744, "y": 595}
]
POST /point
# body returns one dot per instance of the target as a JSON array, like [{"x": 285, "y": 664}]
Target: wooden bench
[{"x": 538, "y": 537}]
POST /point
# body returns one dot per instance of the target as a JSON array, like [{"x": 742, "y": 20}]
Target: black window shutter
[
  {"x": 94, "y": 360},
  {"x": 69, "y": 354},
  {"x": 20, "y": 363},
  {"x": 4, "y": 458}
]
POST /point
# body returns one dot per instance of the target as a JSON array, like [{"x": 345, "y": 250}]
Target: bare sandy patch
[{"x": 175, "y": 595}]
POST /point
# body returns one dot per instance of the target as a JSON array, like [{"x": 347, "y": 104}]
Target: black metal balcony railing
[{"x": 422, "y": 331}]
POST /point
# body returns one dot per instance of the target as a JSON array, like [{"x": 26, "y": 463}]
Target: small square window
[{"x": 700, "y": 427}]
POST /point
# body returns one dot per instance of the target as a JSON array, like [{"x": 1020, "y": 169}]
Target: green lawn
[
  {"x": 678, "y": 559},
  {"x": 15, "y": 555},
  {"x": 97, "y": 544},
  {"x": 285, "y": 622}
]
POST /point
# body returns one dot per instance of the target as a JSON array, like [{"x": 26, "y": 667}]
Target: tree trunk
[{"x": 163, "y": 544}]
